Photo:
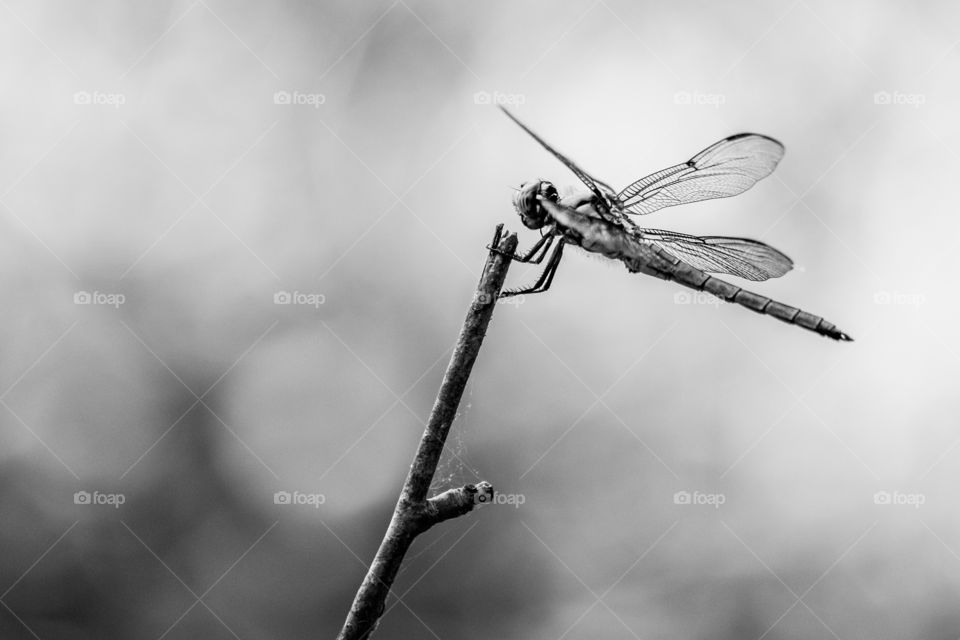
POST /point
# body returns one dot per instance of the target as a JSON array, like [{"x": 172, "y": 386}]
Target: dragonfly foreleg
[
  {"x": 542, "y": 245},
  {"x": 546, "y": 278}
]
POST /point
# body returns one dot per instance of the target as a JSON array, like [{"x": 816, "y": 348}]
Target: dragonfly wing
[
  {"x": 724, "y": 169},
  {"x": 601, "y": 190},
  {"x": 749, "y": 259}
]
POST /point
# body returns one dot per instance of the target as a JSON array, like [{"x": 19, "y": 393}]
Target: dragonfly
[{"x": 598, "y": 221}]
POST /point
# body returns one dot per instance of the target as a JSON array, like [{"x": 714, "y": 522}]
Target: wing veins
[
  {"x": 726, "y": 168},
  {"x": 749, "y": 259}
]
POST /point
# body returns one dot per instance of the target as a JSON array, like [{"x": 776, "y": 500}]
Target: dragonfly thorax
[{"x": 528, "y": 207}]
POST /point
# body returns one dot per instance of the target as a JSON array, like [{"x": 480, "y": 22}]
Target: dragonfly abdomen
[
  {"x": 670, "y": 268},
  {"x": 770, "y": 307}
]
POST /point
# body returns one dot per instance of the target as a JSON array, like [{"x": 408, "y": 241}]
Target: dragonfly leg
[
  {"x": 542, "y": 245},
  {"x": 546, "y": 278}
]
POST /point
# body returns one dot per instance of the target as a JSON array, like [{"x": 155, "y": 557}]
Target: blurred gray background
[{"x": 171, "y": 171}]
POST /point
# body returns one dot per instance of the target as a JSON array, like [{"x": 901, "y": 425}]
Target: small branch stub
[
  {"x": 457, "y": 502},
  {"x": 414, "y": 513}
]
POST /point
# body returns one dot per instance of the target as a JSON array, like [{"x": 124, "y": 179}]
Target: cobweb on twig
[{"x": 455, "y": 468}]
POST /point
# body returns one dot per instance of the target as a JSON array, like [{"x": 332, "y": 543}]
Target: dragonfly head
[{"x": 528, "y": 207}]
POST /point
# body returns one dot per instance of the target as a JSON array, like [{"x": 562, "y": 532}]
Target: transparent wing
[
  {"x": 603, "y": 191},
  {"x": 724, "y": 169},
  {"x": 741, "y": 257}
]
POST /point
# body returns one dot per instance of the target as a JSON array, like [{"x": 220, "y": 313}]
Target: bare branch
[{"x": 414, "y": 513}]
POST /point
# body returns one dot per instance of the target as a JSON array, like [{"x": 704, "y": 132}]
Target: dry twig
[{"x": 414, "y": 513}]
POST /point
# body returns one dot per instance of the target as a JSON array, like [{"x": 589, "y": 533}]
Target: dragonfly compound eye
[
  {"x": 525, "y": 202},
  {"x": 548, "y": 191}
]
